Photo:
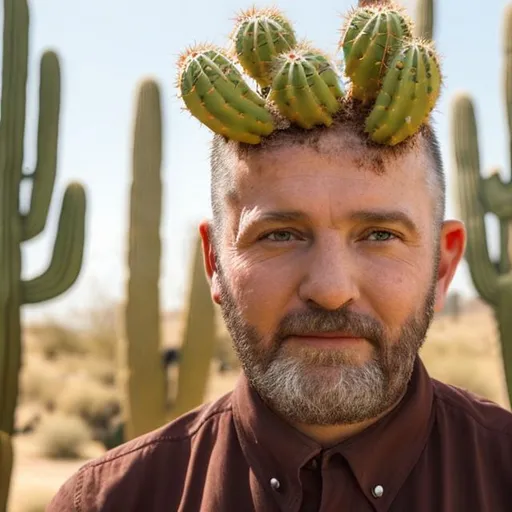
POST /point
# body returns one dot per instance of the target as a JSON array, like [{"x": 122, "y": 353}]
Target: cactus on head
[
  {"x": 18, "y": 226},
  {"x": 478, "y": 196},
  {"x": 391, "y": 75}
]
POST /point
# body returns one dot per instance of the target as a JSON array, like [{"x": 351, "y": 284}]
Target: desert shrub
[
  {"x": 95, "y": 404},
  {"x": 61, "y": 436},
  {"x": 102, "y": 371},
  {"x": 54, "y": 339},
  {"x": 99, "y": 328},
  {"x": 40, "y": 381}
]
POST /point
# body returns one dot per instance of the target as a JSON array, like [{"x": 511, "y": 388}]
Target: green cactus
[
  {"x": 17, "y": 226},
  {"x": 216, "y": 93},
  {"x": 258, "y": 37},
  {"x": 300, "y": 83},
  {"x": 372, "y": 37},
  {"x": 142, "y": 373},
  {"x": 479, "y": 196},
  {"x": 306, "y": 87},
  {"x": 409, "y": 92},
  {"x": 198, "y": 340},
  {"x": 424, "y": 20}
]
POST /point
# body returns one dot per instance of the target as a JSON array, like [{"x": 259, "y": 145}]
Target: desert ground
[{"x": 461, "y": 349}]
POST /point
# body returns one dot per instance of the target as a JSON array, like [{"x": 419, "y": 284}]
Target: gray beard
[{"x": 319, "y": 387}]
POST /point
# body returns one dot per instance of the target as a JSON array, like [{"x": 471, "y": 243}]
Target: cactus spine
[
  {"x": 142, "y": 373},
  {"x": 17, "y": 226},
  {"x": 478, "y": 196}
]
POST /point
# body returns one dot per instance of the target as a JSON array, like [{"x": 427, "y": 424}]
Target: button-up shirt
[{"x": 441, "y": 449}]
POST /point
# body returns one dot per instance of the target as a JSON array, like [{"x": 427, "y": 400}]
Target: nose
[{"x": 330, "y": 277}]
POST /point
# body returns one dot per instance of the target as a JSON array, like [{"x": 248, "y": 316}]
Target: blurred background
[{"x": 70, "y": 405}]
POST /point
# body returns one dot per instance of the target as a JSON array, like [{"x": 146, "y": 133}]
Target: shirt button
[
  {"x": 378, "y": 491},
  {"x": 275, "y": 484}
]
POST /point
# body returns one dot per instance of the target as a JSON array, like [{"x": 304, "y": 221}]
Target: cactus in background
[
  {"x": 424, "y": 19},
  {"x": 17, "y": 226},
  {"x": 478, "y": 196},
  {"x": 142, "y": 373},
  {"x": 198, "y": 341}
]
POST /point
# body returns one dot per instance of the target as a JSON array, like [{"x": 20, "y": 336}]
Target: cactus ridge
[
  {"x": 258, "y": 37},
  {"x": 408, "y": 95},
  {"x": 216, "y": 93},
  {"x": 371, "y": 40},
  {"x": 306, "y": 87},
  {"x": 394, "y": 75}
]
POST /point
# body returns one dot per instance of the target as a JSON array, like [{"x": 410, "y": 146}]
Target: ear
[
  {"x": 210, "y": 260},
  {"x": 451, "y": 248}
]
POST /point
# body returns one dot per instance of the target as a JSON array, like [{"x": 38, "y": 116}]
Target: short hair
[{"x": 224, "y": 154}]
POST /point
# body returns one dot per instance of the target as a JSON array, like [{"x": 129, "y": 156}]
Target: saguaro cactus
[
  {"x": 142, "y": 372},
  {"x": 17, "y": 226},
  {"x": 478, "y": 196},
  {"x": 424, "y": 19}
]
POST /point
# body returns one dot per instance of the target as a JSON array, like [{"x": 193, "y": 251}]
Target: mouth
[{"x": 326, "y": 339}]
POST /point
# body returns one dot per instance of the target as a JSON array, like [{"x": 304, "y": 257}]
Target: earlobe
[
  {"x": 210, "y": 261},
  {"x": 451, "y": 251}
]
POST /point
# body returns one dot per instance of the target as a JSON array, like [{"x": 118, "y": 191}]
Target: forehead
[{"x": 339, "y": 170}]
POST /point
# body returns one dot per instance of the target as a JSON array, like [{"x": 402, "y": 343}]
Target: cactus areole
[{"x": 393, "y": 77}]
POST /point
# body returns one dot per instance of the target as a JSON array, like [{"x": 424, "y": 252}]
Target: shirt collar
[{"x": 383, "y": 454}]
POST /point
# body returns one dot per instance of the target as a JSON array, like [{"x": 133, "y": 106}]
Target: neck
[{"x": 329, "y": 435}]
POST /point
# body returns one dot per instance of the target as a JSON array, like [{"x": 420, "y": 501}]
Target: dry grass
[{"x": 61, "y": 436}]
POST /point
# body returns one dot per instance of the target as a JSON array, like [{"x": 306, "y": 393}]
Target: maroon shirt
[{"x": 440, "y": 450}]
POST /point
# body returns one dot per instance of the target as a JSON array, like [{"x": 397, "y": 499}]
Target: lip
[{"x": 327, "y": 339}]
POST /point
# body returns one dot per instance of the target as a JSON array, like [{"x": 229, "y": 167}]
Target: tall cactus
[
  {"x": 478, "y": 196},
  {"x": 17, "y": 226},
  {"x": 424, "y": 19},
  {"x": 142, "y": 373}
]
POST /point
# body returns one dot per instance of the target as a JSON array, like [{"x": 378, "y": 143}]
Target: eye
[
  {"x": 380, "y": 236},
  {"x": 279, "y": 236}
]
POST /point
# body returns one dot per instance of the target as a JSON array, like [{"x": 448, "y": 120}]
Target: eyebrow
[{"x": 368, "y": 216}]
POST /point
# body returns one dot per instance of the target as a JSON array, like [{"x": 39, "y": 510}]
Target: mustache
[{"x": 300, "y": 323}]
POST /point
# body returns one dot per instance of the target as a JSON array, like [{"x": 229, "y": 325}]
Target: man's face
[{"x": 327, "y": 276}]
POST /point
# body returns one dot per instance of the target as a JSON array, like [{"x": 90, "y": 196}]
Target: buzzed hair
[{"x": 225, "y": 154}]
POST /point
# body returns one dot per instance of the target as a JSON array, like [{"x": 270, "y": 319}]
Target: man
[
  {"x": 328, "y": 259},
  {"x": 329, "y": 256}
]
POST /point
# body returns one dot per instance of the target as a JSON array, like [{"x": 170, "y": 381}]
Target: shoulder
[
  {"x": 468, "y": 410},
  {"x": 134, "y": 459}
]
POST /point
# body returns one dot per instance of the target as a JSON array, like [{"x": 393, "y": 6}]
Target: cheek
[
  {"x": 263, "y": 291},
  {"x": 395, "y": 289}
]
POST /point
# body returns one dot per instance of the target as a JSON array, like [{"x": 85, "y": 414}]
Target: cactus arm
[
  {"x": 504, "y": 320},
  {"x": 504, "y": 264},
  {"x": 68, "y": 250},
  {"x": 467, "y": 160},
  {"x": 198, "y": 341},
  {"x": 424, "y": 19},
  {"x": 142, "y": 368},
  {"x": 43, "y": 178},
  {"x": 508, "y": 69},
  {"x": 496, "y": 196}
]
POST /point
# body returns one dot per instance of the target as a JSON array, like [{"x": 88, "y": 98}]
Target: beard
[{"x": 327, "y": 387}]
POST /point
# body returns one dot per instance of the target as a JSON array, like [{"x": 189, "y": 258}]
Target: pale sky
[{"x": 107, "y": 46}]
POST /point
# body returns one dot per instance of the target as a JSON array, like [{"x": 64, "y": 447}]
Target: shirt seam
[
  {"x": 94, "y": 464},
  {"x": 448, "y": 401}
]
